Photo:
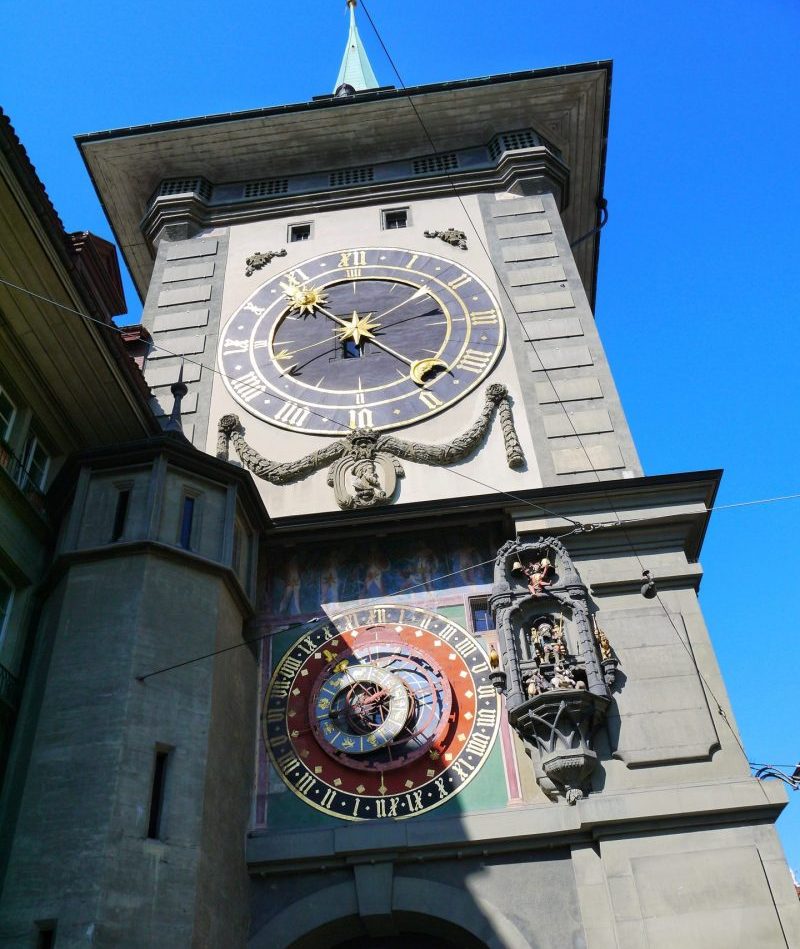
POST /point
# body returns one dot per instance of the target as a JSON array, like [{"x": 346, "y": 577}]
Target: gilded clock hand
[
  {"x": 421, "y": 292},
  {"x": 419, "y": 367}
]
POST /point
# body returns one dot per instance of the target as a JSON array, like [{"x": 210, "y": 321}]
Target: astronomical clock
[{"x": 386, "y": 712}]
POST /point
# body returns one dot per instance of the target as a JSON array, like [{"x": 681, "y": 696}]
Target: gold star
[{"x": 359, "y": 327}]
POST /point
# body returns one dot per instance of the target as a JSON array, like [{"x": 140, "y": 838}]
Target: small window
[
  {"x": 154, "y": 819},
  {"x": 395, "y": 219},
  {"x": 351, "y": 350},
  {"x": 7, "y": 413},
  {"x": 299, "y": 232},
  {"x": 187, "y": 517},
  {"x": 120, "y": 513},
  {"x": 481, "y": 614},
  {"x": 6, "y": 601},
  {"x": 35, "y": 462},
  {"x": 45, "y": 934}
]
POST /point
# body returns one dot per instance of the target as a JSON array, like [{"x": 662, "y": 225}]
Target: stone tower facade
[{"x": 459, "y": 714}]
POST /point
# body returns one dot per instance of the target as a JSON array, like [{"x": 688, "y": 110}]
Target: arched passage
[{"x": 424, "y": 914}]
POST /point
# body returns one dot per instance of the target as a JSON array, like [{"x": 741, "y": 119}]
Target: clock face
[
  {"x": 384, "y": 712},
  {"x": 367, "y": 338}
]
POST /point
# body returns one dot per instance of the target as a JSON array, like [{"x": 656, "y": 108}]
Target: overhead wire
[
  {"x": 501, "y": 282},
  {"x": 120, "y": 331}
]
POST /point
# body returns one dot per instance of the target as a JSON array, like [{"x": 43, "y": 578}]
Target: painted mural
[{"x": 362, "y": 569}]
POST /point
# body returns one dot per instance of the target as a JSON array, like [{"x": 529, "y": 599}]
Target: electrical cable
[
  {"x": 202, "y": 365},
  {"x": 507, "y": 293}
]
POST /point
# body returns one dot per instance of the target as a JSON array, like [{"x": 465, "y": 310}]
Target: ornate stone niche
[{"x": 557, "y": 666}]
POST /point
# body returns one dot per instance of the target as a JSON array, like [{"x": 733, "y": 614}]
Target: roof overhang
[{"x": 568, "y": 105}]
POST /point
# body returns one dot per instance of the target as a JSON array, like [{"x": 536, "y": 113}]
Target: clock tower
[{"x": 469, "y": 719}]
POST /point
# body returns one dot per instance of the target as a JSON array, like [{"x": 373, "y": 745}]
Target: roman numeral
[
  {"x": 305, "y": 784},
  {"x": 480, "y": 669},
  {"x": 248, "y": 386},
  {"x": 474, "y": 360},
  {"x": 289, "y": 762},
  {"x": 465, "y": 648},
  {"x": 360, "y": 418},
  {"x": 486, "y": 692},
  {"x": 448, "y": 632},
  {"x": 328, "y": 797},
  {"x": 381, "y": 809},
  {"x": 414, "y": 802},
  {"x": 487, "y": 718},
  {"x": 483, "y": 317},
  {"x": 414, "y": 259},
  {"x": 235, "y": 345},
  {"x": 252, "y": 308},
  {"x": 292, "y": 414},
  {"x": 459, "y": 282},
  {"x": 353, "y": 273},
  {"x": 359, "y": 258},
  {"x": 477, "y": 745},
  {"x": 377, "y": 616},
  {"x": 274, "y": 715},
  {"x": 429, "y": 399}
]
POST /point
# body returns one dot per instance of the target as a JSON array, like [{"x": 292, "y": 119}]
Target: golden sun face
[{"x": 303, "y": 298}]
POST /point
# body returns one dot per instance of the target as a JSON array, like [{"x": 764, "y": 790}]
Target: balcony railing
[{"x": 20, "y": 475}]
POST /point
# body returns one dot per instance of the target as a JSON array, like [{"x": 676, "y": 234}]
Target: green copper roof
[{"x": 355, "y": 70}]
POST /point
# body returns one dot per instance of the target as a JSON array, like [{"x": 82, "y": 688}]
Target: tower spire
[{"x": 355, "y": 73}]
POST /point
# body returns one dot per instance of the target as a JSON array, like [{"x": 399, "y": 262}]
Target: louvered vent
[
  {"x": 184, "y": 186},
  {"x": 351, "y": 176},
  {"x": 266, "y": 187},
  {"x": 445, "y": 161},
  {"x": 513, "y": 141}
]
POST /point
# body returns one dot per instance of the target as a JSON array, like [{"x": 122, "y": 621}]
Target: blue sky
[{"x": 699, "y": 272}]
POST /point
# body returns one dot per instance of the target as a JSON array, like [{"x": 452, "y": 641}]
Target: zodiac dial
[
  {"x": 385, "y": 712},
  {"x": 367, "y": 338}
]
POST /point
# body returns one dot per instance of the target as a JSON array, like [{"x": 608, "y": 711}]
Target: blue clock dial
[{"x": 368, "y": 338}]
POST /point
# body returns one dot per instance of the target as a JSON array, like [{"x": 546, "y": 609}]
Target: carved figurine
[
  {"x": 494, "y": 658},
  {"x": 258, "y": 260},
  {"x": 366, "y": 486},
  {"x": 563, "y": 678},
  {"x": 536, "y": 685},
  {"x": 450, "y": 236},
  {"x": 539, "y": 574},
  {"x": 547, "y": 641},
  {"x": 604, "y": 644}
]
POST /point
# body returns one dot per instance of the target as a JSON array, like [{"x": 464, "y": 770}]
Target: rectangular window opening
[
  {"x": 351, "y": 350},
  {"x": 45, "y": 934},
  {"x": 481, "y": 614},
  {"x": 187, "y": 516},
  {"x": 299, "y": 232},
  {"x": 6, "y": 600},
  {"x": 395, "y": 219},
  {"x": 157, "y": 795},
  {"x": 120, "y": 513},
  {"x": 7, "y": 412},
  {"x": 35, "y": 462}
]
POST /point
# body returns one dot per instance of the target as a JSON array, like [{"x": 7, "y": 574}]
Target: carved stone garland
[
  {"x": 364, "y": 465},
  {"x": 556, "y": 698}
]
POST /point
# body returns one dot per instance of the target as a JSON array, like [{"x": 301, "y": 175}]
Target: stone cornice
[{"x": 550, "y": 173}]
